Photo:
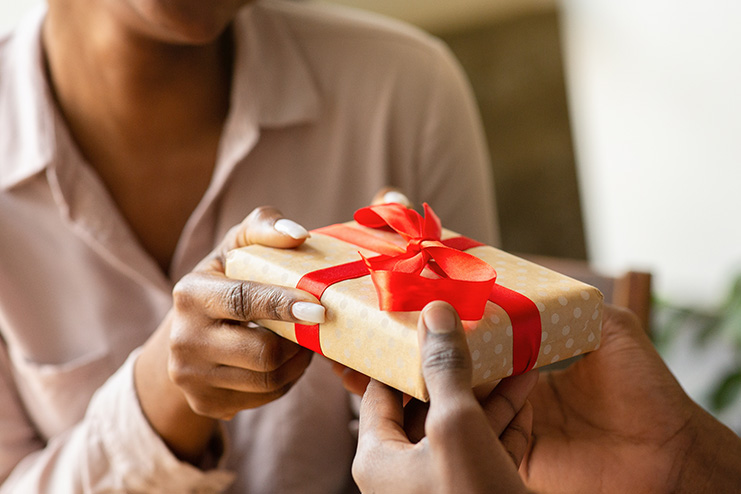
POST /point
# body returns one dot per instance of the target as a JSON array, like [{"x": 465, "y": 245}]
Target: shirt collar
[
  {"x": 27, "y": 141},
  {"x": 271, "y": 70},
  {"x": 272, "y": 87}
]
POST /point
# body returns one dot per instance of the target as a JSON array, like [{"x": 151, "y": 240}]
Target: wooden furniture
[{"x": 631, "y": 289}]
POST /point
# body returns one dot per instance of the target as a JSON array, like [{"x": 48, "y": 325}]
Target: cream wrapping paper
[{"x": 384, "y": 345}]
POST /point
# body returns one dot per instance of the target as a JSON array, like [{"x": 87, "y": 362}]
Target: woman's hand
[
  {"x": 618, "y": 421},
  {"x": 465, "y": 449},
  {"x": 207, "y": 360}
]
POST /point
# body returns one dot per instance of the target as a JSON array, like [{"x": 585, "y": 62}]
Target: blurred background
[{"x": 615, "y": 134}]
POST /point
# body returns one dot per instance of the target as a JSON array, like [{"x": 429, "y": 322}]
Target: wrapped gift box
[{"x": 537, "y": 316}]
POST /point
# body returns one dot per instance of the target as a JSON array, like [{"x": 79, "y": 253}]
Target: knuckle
[
  {"x": 180, "y": 373},
  {"x": 260, "y": 214},
  {"x": 520, "y": 433},
  {"x": 178, "y": 341},
  {"x": 270, "y": 356},
  {"x": 215, "y": 404},
  {"x": 183, "y": 295},
  {"x": 279, "y": 304},
  {"x": 280, "y": 391},
  {"x": 200, "y": 407},
  {"x": 273, "y": 304},
  {"x": 206, "y": 408},
  {"x": 447, "y": 423},
  {"x": 271, "y": 382},
  {"x": 621, "y": 317},
  {"x": 444, "y": 359},
  {"x": 238, "y": 300},
  {"x": 625, "y": 316},
  {"x": 266, "y": 395},
  {"x": 516, "y": 443},
  {"x": 369, "y": 446},
  {"x": 185, "y": 345},
  {"x": 203, "y": 399},
  {"x": 359, "y": 470},
  {"x": 508, "y": 405},
  {"x": 224, "y": 414}
]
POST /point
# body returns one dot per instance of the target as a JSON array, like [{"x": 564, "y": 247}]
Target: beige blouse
[{"x": 327, "y": 106}]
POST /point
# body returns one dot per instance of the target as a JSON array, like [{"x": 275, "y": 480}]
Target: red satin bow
[
  {"x": 425, "y": 269},
  {"x": 406, "y": 279}
]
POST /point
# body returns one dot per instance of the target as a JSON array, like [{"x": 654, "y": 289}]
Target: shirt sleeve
[
  {"x": 113, "y": 449},
  {"x": 454, "y": 169},
  {"x": 17, "y": 437}
]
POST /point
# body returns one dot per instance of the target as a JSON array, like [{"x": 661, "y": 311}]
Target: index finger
[
  {"x": 218, "y": 297},
  {"x": 382, "y": 461},
  {"x": 381, "y": 414}
]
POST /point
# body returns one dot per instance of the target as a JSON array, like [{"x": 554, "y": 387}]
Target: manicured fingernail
[
  {"x": 291, "y": 228},
  {"x": 398, "y": 197},
  {"x": 308, "y": 312},
  {"x": 439, "y": 320}
]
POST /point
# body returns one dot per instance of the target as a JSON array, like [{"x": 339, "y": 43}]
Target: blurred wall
[
  {"x": 654, "y": 99},
  {"x": 511, "y": 52},
  {"x": 515, "y": 68},
  {"x": 441, "y": 15},
  {"x": 655, "y": 91}
]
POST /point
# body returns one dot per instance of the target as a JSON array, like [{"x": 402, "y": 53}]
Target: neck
[{"x": 117, "y": 86}]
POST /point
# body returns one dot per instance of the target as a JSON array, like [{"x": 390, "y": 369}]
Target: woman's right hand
[{"x": 207, "y": 360}]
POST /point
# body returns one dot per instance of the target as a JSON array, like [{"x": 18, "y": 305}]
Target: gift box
[{"x": 375, "y": 274}]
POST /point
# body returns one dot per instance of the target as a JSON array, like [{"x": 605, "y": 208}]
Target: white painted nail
[
  {"x": 394, "y": 196},
  {"x": 308, "y": 312},
  {"x": 252, "y": 325},
  {"x": 291, "y": 228}
]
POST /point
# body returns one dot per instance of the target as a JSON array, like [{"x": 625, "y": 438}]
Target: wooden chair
[{"x": 631, "y": 289}]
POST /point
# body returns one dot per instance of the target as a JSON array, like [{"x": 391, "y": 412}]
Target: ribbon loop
[{"x": 428, "y": 269}]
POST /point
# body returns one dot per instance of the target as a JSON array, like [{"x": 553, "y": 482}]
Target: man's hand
[
  {"x": 464, "y": 449},
  {"x": 617, "y": 421}
]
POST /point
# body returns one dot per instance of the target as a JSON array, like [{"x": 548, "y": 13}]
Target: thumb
[
  {"x": 446, "y": 361},
  {"x": 391, "y": 194},
  {"x": 265, "y": 226}
]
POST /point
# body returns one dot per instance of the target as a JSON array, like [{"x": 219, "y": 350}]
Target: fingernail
[
  {"x": 291, "y": 228},
  {"x": 308, "y": 312},
  {"x": 439, "y": 320},
  {"x": 398, "y": 197}
]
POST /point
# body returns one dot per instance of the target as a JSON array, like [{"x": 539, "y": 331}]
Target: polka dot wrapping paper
[{"x": 384, "y": 344}]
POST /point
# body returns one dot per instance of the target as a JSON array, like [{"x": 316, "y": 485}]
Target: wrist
[
  {"x": 712, "y": 462},
  {"x": 187, "y": 434}
]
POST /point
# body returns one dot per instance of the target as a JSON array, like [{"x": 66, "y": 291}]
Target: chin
[{"x": 187, "y": 21}]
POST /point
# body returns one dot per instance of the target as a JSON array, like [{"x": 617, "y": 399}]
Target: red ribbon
[{"x": 423, "y": 269}]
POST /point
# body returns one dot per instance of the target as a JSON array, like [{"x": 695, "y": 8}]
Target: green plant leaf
[{"x": 727, "y": 391}]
